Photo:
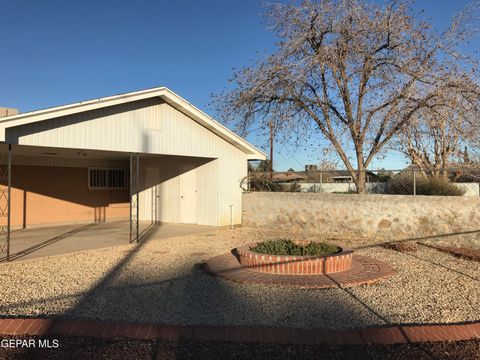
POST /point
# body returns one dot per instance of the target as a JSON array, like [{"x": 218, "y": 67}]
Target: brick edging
[
  {"x": 364, "y": 270},
  {"x": 110, "y": 330},
  {"x": 295, "y": 265}
]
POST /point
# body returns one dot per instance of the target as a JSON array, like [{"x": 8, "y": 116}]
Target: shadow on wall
[
  {"x": 156, "y": 190},
  {"x": 170, "y": 167},
  {"x": 42, "y": 194}
]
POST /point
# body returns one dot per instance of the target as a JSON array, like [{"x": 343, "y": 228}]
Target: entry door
[{"x": 188, "y": 197}]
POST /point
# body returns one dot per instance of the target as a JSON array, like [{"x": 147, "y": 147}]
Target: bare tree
[
  {"x": 439, "y": 135},
  {"x": 326, "y": 165},
  {"x": 354, "y": 71}
]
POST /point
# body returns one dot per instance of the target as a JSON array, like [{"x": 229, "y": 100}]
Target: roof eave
[{"x": 164, "y": 93}]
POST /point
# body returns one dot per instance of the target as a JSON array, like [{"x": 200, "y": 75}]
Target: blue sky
[{"x": 56, "y": 52}]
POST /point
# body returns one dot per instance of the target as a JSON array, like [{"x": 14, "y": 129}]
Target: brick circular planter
[{"x": 295, "y": 265}]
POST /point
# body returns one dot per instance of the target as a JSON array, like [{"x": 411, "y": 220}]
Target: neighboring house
[
  {"x": 326, "y": 176},
  {"x": 465, "y": 172},
  {"x": 336, "y": 176},
  {"x": 287, "y": 177},
  {"x": 456, "y": 172},
  {"x": 75, "y": 163},
  {"x": 342, "y": 176}
]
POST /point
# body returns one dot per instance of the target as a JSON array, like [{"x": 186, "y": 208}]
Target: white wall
[
  {"x": 471, "y": 189},
  {"x": 186, "y": 191}
]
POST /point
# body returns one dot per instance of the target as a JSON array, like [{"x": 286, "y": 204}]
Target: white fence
[{"x": 471, "y": 189}]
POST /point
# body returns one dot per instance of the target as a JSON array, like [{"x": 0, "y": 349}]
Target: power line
[{"x": 293, "y": 157}]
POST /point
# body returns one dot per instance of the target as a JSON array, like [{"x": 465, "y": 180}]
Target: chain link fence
[{"x": 410, "y": 181}]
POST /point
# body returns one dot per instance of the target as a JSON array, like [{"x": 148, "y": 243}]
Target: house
[
  {"x": 312, "y": 175},
  {"x": 279, "y": 177},
  {"x": 458, "y": 172},
  {"x": 142, "y": 156},
  {"x": 342, "y": 176}
]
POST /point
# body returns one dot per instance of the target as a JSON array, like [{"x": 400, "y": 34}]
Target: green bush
[
  {"x": 402, "y": 184},
  {"x": 288, "y": 247}
]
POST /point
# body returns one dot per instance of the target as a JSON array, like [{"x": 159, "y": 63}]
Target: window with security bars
[{"x": 107, "y": 179}]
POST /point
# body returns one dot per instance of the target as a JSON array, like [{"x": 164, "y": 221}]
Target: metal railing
[{"x": 454, "y": 181}]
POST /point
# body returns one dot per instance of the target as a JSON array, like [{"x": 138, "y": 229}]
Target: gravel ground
[
  {"x": 163, "y": 281},
  {"x": 87, "y": 348}
]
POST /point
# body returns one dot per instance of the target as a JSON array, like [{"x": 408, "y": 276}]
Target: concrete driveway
[{"x": 55, "y": 240}]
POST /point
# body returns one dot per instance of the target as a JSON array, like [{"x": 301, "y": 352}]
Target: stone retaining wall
[{"x": 382, "y": 216}]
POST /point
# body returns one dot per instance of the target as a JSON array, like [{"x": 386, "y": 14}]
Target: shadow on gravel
[
  {"x": 438, "y": 237},
  {"x": 441, "y": 266},
  {"x": 141, "y": 293},
  {"x": 138, "y": 292},
  {"x": 418, "y": 240}
]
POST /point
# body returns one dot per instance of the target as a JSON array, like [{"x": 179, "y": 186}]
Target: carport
[
  {"x": 136, "y": 160},
  {"x": 38, "y": 242}
]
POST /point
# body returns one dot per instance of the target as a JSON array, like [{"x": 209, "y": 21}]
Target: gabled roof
[{"x": 162, "y": 92}]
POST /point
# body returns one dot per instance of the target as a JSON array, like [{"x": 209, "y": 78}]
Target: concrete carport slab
[{"x": 56, "y": 240}]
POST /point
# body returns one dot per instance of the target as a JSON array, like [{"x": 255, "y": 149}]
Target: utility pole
[{"x": 270, "y": 163}]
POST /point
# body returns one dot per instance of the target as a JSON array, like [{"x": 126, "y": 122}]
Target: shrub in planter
[{"x": 288, "y": 247}]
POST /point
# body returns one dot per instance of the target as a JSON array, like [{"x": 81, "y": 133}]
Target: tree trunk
[
  {"x": 444, "y": 165},
  {"x": 360, "y": 182},
  {"x": 360, "y": 179}
]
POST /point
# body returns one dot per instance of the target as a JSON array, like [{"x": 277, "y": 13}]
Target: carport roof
[{"x": 162, "y": 92}]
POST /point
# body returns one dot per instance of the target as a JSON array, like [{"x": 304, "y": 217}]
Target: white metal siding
[
  {"x": 55, "y": 161},
  {"x": 168, "y": 174},
  {"x": 154, "y": 127},
  {"x": 208, "y": 184},
  {"x": 146, "y": 126}
]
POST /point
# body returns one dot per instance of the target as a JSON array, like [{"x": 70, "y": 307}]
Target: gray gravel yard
[{"x": 163, "y": 281}]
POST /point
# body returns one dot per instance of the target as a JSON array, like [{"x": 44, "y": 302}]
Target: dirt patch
[
  {"x": 400, "y": 246},
  {"x": 460, "y": 252},
  {"x": 90, "y": 348}
]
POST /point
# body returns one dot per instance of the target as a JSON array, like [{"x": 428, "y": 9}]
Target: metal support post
[
  {"x": 9, "y": 198},
  {"x": 5, "y": 203},
  {"x": 134, "y": 197},
  {"x": 137, "y": 162}
]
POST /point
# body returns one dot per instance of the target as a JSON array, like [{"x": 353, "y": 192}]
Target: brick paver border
[
  {"x": 111, "y": 330},
  {"x": 294, "y": 265},
  {"x": 364, "y": 270}
]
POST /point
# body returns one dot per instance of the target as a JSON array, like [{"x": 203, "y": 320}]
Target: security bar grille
[{"x": 107, "y": 179}]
